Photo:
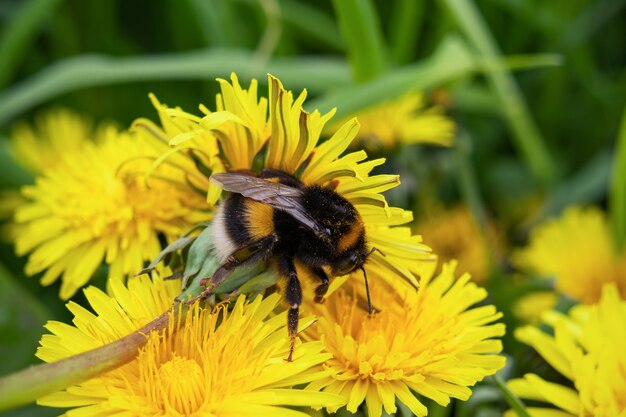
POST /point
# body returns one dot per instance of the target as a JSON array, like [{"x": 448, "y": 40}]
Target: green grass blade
[
  {"x": 270, "y": 37},
  {"x": 22, "y": 315},
  {"x": 360, "y": 28},
  {"x": 314, "y": 73},
  {"x": 617, "y": 197},
  {"x": 12, "y": 174},
  {"x": 526, "y": 135},
  {"x": 514, "y": 402},
  {"x": 584, "y": 186},
  {"x": 592, "y": 19},
  {"x": 313, "y": 23},
  {"x": 520, "y": 62},
  {"x": 469, "y": 186},
  {"x": 450, "y": 62},
  {"x": 19, "y": 32},
  {"x": 471, "y": 98},
  {"x": 406, "y": 22},
  {"x": 468, "y": 181},
  {"x": 212, "y": 20}
]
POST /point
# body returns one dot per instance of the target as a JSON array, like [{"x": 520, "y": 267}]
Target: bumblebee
[{"x": 275, "y": 217}]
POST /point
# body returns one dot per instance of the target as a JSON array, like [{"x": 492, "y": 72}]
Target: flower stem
[
  {"x": 526, "y": 135},
  {"x": 617, "y": 195},
  {"x": 360, "y": 28},
  {"x": 514, "y": 402},
  {"x": 27, "y": 385},
  {"x": 470, "y": 190}
]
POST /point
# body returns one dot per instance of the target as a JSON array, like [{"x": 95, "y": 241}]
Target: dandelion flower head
[
  {"x": 41, "y": 146},
  {"x": 220, "y": 363},
  {"x": 575, "y": 249},
  {"x": 95, "y": 206},
  {"x": 587, "y": 348},
  {"x": 432, "y": 341},
  {"x": 250, "y": 133},
  {"x": 453, "y": 234},
  {"x": 402, "y": 121}
]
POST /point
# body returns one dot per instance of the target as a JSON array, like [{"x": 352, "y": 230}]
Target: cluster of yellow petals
[
  {"x": 55, "y": 133},
  {"x": 587, "y": 348},
  {"x": 243, "y": 124},
  {"x": 206, "y": 363},
  {"x": 576, "y": 250},
  {"x": 433, "y": 342},
  {"x": 95, "y": 206},
  {"x": 402, "y": 121}
]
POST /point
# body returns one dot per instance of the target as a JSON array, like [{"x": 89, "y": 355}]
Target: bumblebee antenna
[
  {"x": 375, "y": 249},
  {"x": 367, "y": 290}
]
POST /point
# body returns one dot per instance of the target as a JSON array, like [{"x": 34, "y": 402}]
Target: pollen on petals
[
  {"x": 214, "y": 363},
  {"x": 587, "y": 348},
  {"x": 430, "y": 341},
  {"x": 94, "y": 206}
]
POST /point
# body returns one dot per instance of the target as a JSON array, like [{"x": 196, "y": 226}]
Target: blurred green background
[{"x": 537, "y": 89}]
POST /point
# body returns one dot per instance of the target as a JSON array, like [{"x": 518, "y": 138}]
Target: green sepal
[
  {"x": 178, "y": 244},
  {"x": 198, "y": 252},
  {"x": 258, "y": 163},
  {"x": 204, "y": 170}
]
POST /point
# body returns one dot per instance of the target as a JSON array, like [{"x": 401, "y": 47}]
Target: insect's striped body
[{"x": 277, "y": 217}]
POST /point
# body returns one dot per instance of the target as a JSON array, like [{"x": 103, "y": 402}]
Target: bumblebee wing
[{"x": 279, "y": 196}]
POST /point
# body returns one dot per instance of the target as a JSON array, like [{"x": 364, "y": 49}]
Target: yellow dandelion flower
[
  {"x": 220, "y": 363},
  {"x": 405, "y": 120},
  {"x": 577, "y": 251},
  {"x": 529, "y": 308},
  {"x": 54, "y": 134},
  {"x": 588, "y": 349},
  {"x": 96, "y": 207},
  {"x": 430, "y": 342},
  {"x": 250, "y": 133},
  {"x": 453, "y": 234},
  {"x": 40, "y": 147}
]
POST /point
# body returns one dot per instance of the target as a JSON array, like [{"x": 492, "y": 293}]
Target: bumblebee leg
[
  {"x": 320, "y": 290},
  {"x": 258, "y": 250},
  {"x": 293, "y": 295}
]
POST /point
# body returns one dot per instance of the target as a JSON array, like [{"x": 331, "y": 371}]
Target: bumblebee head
[
  {"x": 347, "y": 263},
  {"x": 352, "y": 260}
]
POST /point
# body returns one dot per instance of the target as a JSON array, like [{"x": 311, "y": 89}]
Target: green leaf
[
  {"x": 178, "y": 244},
  {"x": 313, "y": 73},
  {"x": 216, "y": 23},
  {"x": 20, "y": 31},
  {"x": 519, "y": 62},
  {"x": 617, "y": 197},
  {"x": 470, "y": 190},
  {"x": 12, "y": 174},
  {"x": 451, "y": 61},
  {"x": 471, "y": 98},
  {"x": 259, "y": 283},
  {"x": 406, "y": 21},
  {"x": 199, "y": 252},
  {"x": 585, "y": 186},
  {"x": 360, "y": 28},
  {"x": 22, "y": 316},
  {"x": 526, "y": 135},
  {"x": 312, "y": 22}
]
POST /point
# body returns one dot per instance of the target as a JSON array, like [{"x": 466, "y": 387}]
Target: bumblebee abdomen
[
  {"x": 259, "y": 219},
  {"x": 240, "y": 221}
]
